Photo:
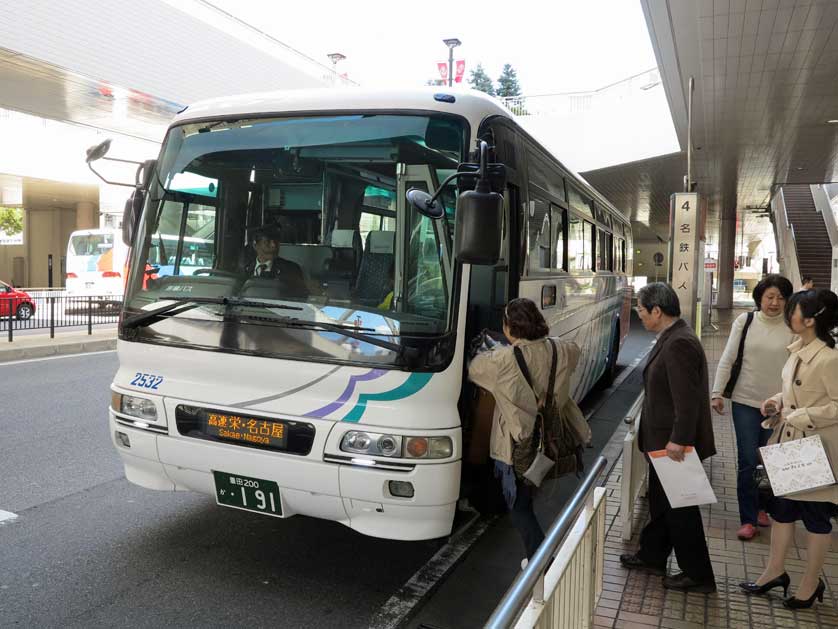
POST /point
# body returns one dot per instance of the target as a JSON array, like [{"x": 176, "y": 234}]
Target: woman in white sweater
[{"x": 763, "y": 356}]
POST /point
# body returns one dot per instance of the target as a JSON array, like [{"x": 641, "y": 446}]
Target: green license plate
[{"x": 250, "y": 494}]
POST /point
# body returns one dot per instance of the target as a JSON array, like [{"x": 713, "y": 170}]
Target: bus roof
[
  {"x": 471, "y": 104},
  {"x": 94, "y": 231}
]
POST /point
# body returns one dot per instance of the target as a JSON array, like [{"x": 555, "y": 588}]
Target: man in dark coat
[
  {"x": 268, "y": 264},
  {"x": 676, "y": 414}
]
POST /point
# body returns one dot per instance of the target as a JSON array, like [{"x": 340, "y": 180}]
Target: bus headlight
[
  {"x": 376, "y": 444},
  {"x": 138, "y": 407},
  {"x": 396, "y": 446}
]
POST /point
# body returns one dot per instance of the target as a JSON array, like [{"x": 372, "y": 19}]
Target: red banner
[
  {"x": 461, "y": 70},
  {"x": 443, "y": 70}
]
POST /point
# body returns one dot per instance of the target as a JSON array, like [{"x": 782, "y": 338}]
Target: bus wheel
[{"x": 610, "y": 373}]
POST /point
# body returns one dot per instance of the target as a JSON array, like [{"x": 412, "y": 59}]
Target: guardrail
[
  {"x": 50, "y": 310},
  {"x": 573, "y": 582},
  {"x": 633, "y": 478}
]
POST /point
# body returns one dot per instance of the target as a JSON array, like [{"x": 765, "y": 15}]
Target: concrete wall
[
  {"x": 53, "y": 227},
  {"x": 644, "y": 260},
  {"x": 8, "y": 253}
]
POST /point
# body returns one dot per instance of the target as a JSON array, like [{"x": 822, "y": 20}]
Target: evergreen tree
[
  {"x": 508, "y": 82},
  {"x": 480, "y": 81}
]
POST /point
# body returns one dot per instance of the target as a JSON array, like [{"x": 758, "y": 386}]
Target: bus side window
[
  {"x": 539, "y": 235},
  {"x": 557, "y": 227}
]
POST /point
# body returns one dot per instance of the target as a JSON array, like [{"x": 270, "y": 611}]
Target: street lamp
[
  {"x": 334, "y": 57},
  {"x": 452, "y": 44}
]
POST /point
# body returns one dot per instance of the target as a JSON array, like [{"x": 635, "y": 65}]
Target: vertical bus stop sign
[{"x": 686, "y": 254}]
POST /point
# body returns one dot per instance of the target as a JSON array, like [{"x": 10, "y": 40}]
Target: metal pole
[
  {"x": 90, "y": 315},
  {"x": 450, "y": 66},
  {"x": 11, "y": 319},
  {"x": 49, "y": 270},
  {"x": 518, "y": 595},
  {"x": 52, "y": 317},
  {"x": 689, "y": 182}
]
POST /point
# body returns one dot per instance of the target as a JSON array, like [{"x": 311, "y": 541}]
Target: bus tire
[{"x": 610, "y": 373}]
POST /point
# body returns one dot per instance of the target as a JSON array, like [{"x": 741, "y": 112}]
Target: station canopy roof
[{"x": 765, "y": 106}]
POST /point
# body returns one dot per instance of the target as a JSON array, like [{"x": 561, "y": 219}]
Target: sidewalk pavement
[
  {"x": 638, "y": 600},
  {"x": 30, "y": 346}
]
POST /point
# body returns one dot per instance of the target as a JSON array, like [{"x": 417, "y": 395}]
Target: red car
[{"x": 22, "y": 305}]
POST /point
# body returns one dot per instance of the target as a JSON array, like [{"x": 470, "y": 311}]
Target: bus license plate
[{"x": 249, "y": 494}]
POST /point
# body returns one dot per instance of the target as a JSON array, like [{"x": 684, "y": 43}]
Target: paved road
[{"x": 91, "y": 550}]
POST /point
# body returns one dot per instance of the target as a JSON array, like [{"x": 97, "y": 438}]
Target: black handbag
[{"x": 737, "y": 364}]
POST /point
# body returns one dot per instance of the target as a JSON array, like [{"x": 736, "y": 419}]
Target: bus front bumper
[{"x": 355, "y": 496}]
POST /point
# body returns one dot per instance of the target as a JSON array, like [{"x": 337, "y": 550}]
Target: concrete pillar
[
  {"x": 727, "y": 250},
  {"x": 86, "y": 217}
]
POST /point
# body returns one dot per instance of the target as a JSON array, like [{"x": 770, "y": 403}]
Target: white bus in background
[
  {"x": 96, "y": 263},
  {"x": 333, "y": 392}
]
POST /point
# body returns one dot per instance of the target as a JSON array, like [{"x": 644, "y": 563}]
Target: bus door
[{"x": 419, "y": 237}]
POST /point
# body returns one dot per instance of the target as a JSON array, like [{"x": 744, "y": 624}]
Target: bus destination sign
[{"x": 243, "y": 429}]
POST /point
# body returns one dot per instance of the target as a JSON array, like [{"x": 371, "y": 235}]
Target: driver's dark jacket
[{"x": 287, "y": 272}]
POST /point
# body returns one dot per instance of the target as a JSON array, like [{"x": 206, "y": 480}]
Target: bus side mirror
[
  {"x": 478, "y": 226},
  {"x": 131, "y": 215}
]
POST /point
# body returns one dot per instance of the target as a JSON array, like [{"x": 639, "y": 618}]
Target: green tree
[
  {"x": 11, "y": 220},
  {"x": 508, "y": 82},
  {"x": 479, "y": 80}
]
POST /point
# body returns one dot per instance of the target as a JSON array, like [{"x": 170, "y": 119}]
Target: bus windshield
[{"x": 305, "y": 213}]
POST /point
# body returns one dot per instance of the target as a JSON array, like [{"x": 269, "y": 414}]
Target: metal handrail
[
  {"x": 518, "y": 595},
  {"x": 634, "y": 411}
]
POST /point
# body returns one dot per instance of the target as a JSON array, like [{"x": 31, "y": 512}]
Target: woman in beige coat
[
  {"x": 808, "y": 405},
  {"x": 516, "y": 406}
]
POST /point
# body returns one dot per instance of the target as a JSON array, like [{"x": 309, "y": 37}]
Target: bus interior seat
[
  {"x": 375, "y": 278},
  {"x": 346, "y": 256},
  {"x": 347, "y": 247},
  {"x": 314, "y": 260}
]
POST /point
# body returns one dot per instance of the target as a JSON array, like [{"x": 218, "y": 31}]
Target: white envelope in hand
[{"x": 685, "y": 482}]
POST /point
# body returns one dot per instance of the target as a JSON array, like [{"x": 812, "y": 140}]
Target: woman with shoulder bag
[
  {"x": 748, "y": 372},
  {"x": 807, "y": 406},
  {"x": 519, "y": 378}
]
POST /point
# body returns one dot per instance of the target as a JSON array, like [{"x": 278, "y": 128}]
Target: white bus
[
  {"x": 96, "y": 262},
  {"x": 338, "y": 398}
]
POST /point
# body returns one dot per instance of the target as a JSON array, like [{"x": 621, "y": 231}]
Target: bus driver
[{"x": 267, "y": 263}]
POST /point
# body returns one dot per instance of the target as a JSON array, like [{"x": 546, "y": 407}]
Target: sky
[{"x": 558, "y": 46}]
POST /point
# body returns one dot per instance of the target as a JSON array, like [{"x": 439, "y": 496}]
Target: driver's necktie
[{"x": 261, "y": 270}]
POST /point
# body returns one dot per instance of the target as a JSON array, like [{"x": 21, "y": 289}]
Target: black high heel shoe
[
  {"x": 783, "y": 581},
  {"x": 796, "y": 603}
]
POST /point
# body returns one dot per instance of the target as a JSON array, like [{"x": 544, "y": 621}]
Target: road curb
[{"x": 56, "y": 349}]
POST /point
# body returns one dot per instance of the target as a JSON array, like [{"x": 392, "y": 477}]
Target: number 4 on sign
[{"x": 685, "y": 206}]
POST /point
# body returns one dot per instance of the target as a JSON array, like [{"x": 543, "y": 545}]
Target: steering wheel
[{"x": 216, "y": 272}]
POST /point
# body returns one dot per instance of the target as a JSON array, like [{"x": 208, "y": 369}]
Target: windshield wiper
[{"x": 182, "y": 304}]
